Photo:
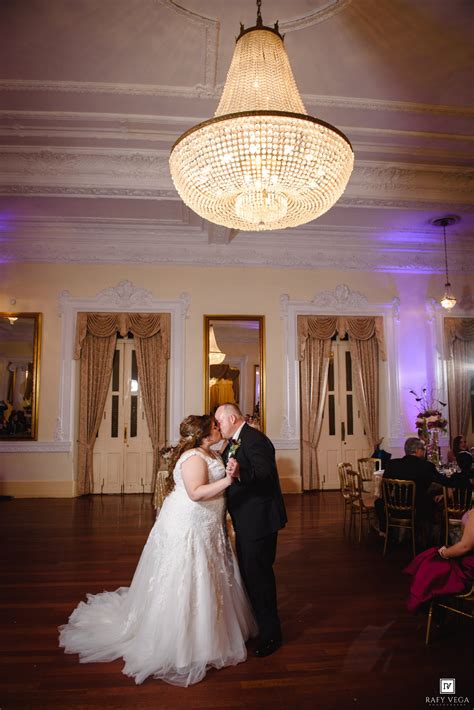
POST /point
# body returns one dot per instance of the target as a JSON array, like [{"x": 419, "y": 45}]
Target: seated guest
[
  {"x": 412, "y": 467},
  {"x": 462, "y": 454},
  {"x": 451, "y": 456},
  {"x": 447, "y": 570},
  {"x": 459, "y": 479}
]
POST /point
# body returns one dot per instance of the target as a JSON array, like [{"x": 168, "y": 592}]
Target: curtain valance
[
  {"x": 103, "y": 325},
  {"x": 324, "y": 327},
  {"x": 460, "y": 328}
]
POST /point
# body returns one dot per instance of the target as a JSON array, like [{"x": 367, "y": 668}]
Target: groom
[{"x": 257, "y": 510}]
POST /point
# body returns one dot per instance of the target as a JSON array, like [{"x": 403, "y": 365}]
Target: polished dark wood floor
[{"x": 349, "y": 642}]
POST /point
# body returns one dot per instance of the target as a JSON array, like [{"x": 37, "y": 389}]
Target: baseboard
[{"x": 37, "y": 489}]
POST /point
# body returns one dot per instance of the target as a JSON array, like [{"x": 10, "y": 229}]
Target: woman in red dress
[{"x": 440, "y": 572}]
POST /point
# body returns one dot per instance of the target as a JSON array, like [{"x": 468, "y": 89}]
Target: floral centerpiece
[{"x": 430, "y": 421}]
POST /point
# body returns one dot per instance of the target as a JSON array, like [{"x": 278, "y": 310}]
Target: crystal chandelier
[
  {"x": 448, "y": 300},
  {"x": 261, "y": 163},
  {"x": 216, "y": 356}
]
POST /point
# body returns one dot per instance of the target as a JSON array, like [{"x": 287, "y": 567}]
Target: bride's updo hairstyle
[{"x": 192, "y": 431}]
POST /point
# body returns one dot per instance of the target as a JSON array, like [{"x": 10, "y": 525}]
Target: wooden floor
[{"x": 349, "y": 642}]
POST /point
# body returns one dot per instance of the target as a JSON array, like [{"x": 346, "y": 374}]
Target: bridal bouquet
[{"x": 429, "y": 418}]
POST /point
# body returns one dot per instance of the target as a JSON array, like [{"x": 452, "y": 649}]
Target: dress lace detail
[{"x": 186, "y": 609}]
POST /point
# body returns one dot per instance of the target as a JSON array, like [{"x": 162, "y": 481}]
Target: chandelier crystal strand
[
  {"x": 216, "y": 356},
  {"x": 260, "y": 77},
  {"x": 261, "y": 163}
]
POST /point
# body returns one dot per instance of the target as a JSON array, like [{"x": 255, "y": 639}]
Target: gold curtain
[
  {"x": 366, "y": 342},
  {"x": 314, "y": 338},
  {"x": 96, "y": 369},
  {"x": 151, "y": 333},
  {"x": 227, "y": 372},
  {"x": 459, "y": 334},
  {"x": 95, "y": 345},
  {"x": 221, "y": 392}
]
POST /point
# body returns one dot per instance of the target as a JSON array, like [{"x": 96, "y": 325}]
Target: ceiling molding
[
  {"x": 120, "y": 229},
  {"x": 211, "y": 39},
  {"x": 93, "y": 87},
  {"x": 110, "y": 172},
  {"x": 315, "y": 17},
  {"x": 126, "y": 128},
  {"x": 367, "y": 104},
  {"x": 330, "y": 249},
  {"x": 57, "y": 122},
  {"x": 202, "y": 91}
]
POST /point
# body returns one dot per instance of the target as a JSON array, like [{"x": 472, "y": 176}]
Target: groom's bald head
[{"x": 229, "y": 417}]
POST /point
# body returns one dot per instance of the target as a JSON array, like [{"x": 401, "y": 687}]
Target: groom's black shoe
[{"x": 267, "y": 648}]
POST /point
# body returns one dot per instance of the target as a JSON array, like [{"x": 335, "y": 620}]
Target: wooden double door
[
  {"x": 342, "y": 435},
  {"x": 123, "y": 454}
]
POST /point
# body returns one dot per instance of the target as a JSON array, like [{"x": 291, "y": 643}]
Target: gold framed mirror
[
  {"x": 234, "y": 365},
  {"x": 19, "y": 375}
]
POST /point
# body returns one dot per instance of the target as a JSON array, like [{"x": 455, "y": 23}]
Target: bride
[{"x": 186, "y": 609}]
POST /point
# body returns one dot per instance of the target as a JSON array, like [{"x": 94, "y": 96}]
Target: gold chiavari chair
[
  {"x": 367, "y": 468},
  {"x": 399, "y": 500},
  {"x": 461, "y": 604},
  {"x": 362, "y": 503},
  {"x": 346, "y": 492},
  {"x": 457, "y": 501}
]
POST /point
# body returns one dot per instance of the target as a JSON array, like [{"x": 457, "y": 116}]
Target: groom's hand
[{"x": 233, "y": 468}]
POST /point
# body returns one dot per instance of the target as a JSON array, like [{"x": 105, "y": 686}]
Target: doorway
[
  {"x": 123, "y": 453},
  {"x": 342, "y": 434}
]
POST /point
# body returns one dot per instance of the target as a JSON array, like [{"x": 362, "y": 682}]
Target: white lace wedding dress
[{"x": 186, "y": 609}]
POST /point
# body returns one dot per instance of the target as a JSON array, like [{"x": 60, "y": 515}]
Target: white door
[
  {"x": 123, "y": 454},
  {"x": 342, "y": 436}
]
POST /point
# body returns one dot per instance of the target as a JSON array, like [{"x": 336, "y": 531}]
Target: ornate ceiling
[{"x": 93, "y": 95}]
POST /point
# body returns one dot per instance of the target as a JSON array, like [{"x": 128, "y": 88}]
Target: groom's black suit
[{"x": 256, "y": 506}]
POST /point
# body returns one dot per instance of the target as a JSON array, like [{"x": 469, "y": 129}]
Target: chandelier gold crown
[{"x": 261, "y": 163}]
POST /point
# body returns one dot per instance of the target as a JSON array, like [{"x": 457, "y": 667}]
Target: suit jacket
[
  {"x": 412, "y": 468},
  {"x": 464, "y": 461},
  {"x": 255, "y": 503}
]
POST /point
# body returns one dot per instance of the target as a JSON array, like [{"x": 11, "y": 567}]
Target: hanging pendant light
[
  {"x": 216, "y": 356},
  {"x": 261, "y": 163},
  {"x": 448, "y": 300}
]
